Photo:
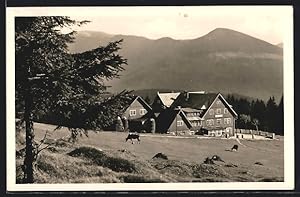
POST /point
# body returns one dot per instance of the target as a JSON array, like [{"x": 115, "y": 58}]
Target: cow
[
  {"x": 132, "y": 136},
  {"x": 235, "y": 148}
]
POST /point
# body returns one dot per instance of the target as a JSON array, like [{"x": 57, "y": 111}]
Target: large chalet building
[{"x": 186, "y": 112}]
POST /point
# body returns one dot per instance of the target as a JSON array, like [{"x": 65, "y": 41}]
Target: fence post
[{"x": 273, "y": 135}]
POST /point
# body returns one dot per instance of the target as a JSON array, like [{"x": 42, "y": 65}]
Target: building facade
[
  {"x": 204, "y": 113},
  {"x": 219, "y": 118}
]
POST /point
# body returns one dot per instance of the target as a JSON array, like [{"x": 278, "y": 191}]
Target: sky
[{"x": 186, "y": 22}]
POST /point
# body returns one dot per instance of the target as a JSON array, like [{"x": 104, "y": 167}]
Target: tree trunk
[{"x": 29, "y": 149}]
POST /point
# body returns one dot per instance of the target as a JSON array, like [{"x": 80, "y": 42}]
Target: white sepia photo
[{"x": 150, "y": 98}]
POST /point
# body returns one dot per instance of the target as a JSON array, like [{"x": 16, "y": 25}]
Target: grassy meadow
[{"x": 105, "y": 157}]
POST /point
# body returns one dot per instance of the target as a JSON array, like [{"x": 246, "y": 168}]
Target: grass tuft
[
  {"x": 100, "y": 158},
  {"x": 208, "y": 170}
]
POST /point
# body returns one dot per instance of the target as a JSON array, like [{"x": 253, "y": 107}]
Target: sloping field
[{"x": 106, "y": 157}]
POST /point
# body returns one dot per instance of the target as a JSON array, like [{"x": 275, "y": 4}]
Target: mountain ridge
[{"x": 223, "y": 60}]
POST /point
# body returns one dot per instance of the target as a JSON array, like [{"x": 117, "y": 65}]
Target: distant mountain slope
[
  {"x": 280, "y": 45},
  {"x": 221, "y": 61},
  {"x": 151, "y": 94}
]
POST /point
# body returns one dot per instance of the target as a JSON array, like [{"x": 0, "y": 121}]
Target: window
[
  {"x": 132, "y": 112},
  {"x": 211, "y": 112},
  {"x": 218, "y": 102},
  {"x": 219, "y": 111},
  {"x": 143, "y": 111},
  {"x": 227, "y": 120},
  {"x": 179, "y": 123},
  {"x": 225, "y": 111},
  {"x": 219, "y": 121},
  {"x": 210, "y": 122},
  {"x": 196, "y": 123}
]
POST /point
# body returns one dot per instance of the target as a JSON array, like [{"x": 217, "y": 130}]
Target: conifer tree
[
  {"x": 271, "y": 110},
  {"x": 50, "y": 79}
]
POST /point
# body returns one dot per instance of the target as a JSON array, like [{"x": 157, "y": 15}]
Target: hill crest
[{"x": 223, "y": 60}]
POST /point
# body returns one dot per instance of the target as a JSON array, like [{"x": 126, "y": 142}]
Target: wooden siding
[
  {"x": 135, "y": 105},
  {"x": 174, "y": 127},
  {"x": 219, "y": 106},
  {"x": 196, "y": 124}
]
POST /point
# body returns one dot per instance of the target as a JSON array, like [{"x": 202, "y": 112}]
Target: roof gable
[
  {"x": 227, "y": 104},
  {"x": 141, "y": 101},
  {"x": 195, "y": 100},
  {"x": 229, "y": 107},
  {"x": 168, "y": 98},
  {"x": 185, "y": 119},
  {"x": 168, "y": 116},
  {"x": 201, "y": 101}
]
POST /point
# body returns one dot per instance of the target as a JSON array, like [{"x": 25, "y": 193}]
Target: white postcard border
[{"x": 289, "y": 151}]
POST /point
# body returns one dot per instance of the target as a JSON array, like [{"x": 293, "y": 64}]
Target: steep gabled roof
[
  {"x": 200, "y": 100},
  {"x": 195, "y": 100},
  {"x": 168, "y": 98},
  {"x": 166, "y": 118},
  {"x": 227, "y": 104},
  {"x": 140, "y": 100},
  {"x": 191, "y": 110}
]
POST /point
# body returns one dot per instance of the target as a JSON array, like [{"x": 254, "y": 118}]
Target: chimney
[{"x": 187, "y": 96}]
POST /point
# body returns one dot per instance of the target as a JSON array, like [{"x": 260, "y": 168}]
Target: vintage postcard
[{"x": 150, "y": 98}]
